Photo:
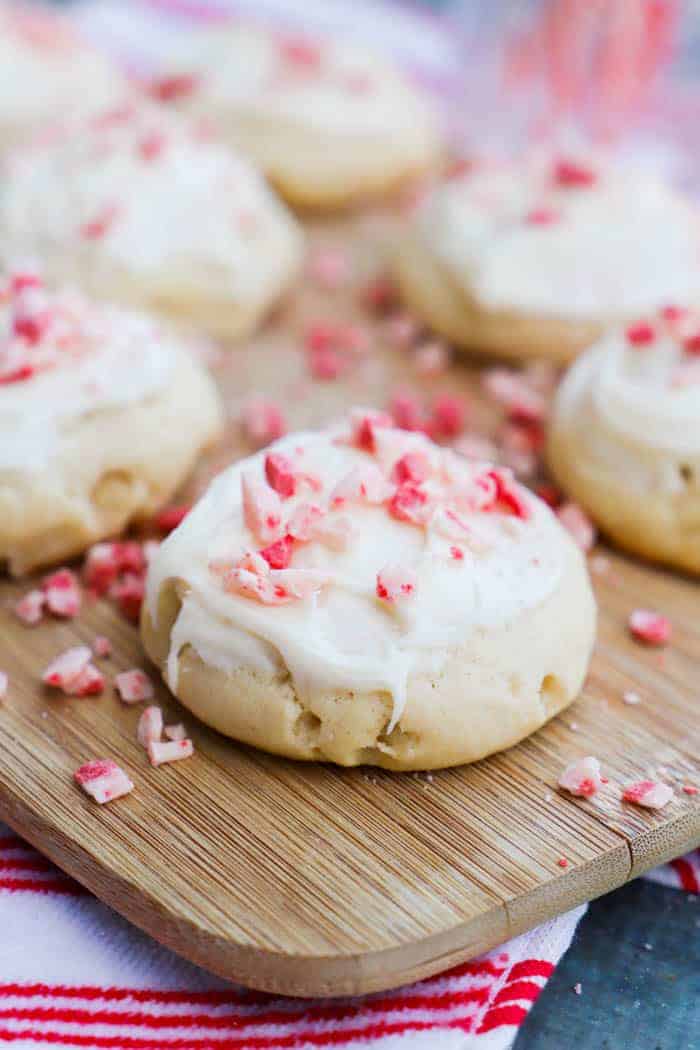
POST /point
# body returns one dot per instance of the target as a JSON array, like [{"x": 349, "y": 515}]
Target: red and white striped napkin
[{"x": 74, "y": 974}]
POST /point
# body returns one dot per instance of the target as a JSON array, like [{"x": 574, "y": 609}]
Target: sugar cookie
[
  {"x": 361, "y": 595},
  {"x": 328, "y": 122},
  {"x": 624, "y": 438},
  {"x": 134, "y": 206},
  {"x": 535, "y": 259},
  {"x": 102, "y": 415},
  {"x": 47, "y": 71}
]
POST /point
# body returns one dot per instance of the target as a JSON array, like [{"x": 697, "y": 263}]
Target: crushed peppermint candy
[
  {"x": 103, "y": 780},
  {"x": 395, "y": 582},
  {"x": 62, "y": 593},
  {"x": 30, "y": 607},
  {"x": 161, "y": 752},
  {"x": 134, "y": 686},
  {"x": 150, "y": 726},
  {"x": 650, "y": 627},
  {"x": 102, "y": 646},
  {"x": 73, "y": 673},
  {"x": 582, "y": 777},
  {"x": 168, "y": 519},
  {"x": 175, "y": 732},
  {"x": 651, "y": 794}
]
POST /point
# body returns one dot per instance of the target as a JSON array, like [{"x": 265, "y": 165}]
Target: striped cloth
[{"x": 75, "y": 975}]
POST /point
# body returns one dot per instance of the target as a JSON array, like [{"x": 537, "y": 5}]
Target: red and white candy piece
[
  {"x": 651, "y": 794},
  {"x": 175, "y": 732},
  {"x": 650, "y": 627},
  {"x": 30, "y": 607},
  {"x": 518, "y": 396},
  {"x": 103, "y": 780},
  {"x": 134, "y": 686},
  {"x": 67, "y": 667},
  {"x": 90, "y": 682},
  {"x": 262, "y": 508},
  {"x": 150, "y": 725},
  {"x": 640, "y": 334},
  {"x": 365, "y": 484},
  {"x": 102, "y": 646},
  {"x": 364, "y": 426},
  {"x": 582, "y": 777},
  {"x": 161, "y": 752},
  {"x": 396, "y": 583},
  {"x": 62, "y": 593}
]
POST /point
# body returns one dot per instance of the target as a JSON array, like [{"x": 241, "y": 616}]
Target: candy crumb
[
  {"x": 650, "y": 627},
  {"x": 62, "y": 593},
  {"x": 30, "y": 607},
  {"x": 630, "y": 697},
  {"x": 577, "y": 988},
  {"x": 102, "y": 646},
  {"x": 563, "y": 862},
  {"x": 651, "y": 794},
  {"x": 176, "y": 732},
  {"x": 150, "y": 726},
  {"x": 67, "y": 667},
  {"x": 134, "y": 686},
  {"x": 170, "y": 751},
  {"x": 3, "y": 685},
  {"x": 103, "y": 780},
  {"x": 687, "y": 789},
  {"x": 582, "y": 777}
]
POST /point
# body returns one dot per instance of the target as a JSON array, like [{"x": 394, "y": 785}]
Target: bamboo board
[{"x": 312, "y": 880}]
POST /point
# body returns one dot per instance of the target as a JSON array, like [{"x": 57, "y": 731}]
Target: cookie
[
  {"x": 536, "y": 259},
  {"x": 327, "y": 122},
  {"x": 137, "y": 207},
  {"x": 624, "y": 438},
  {"x": 361, "y": 595},
  {"x": 102, "y": 416},
  {"x": 47, "y": 71}
]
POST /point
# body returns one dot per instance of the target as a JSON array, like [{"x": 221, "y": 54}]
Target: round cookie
[
  {"x": 361, "y": 595},
  {"x": 46, "y": 71},
  {"x": 536, "y": 259},
  {"x": 624, "y": 437},
  {"x": 136, "y": 206},
  {"x": 327, "y": 122},
  {"x": 102, "y": 416}
]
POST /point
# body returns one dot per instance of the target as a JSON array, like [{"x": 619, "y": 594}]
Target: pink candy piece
[
  {"x": 90, "y": 682},
  {"x": 364, "y": 426},
  {"x": 542, "y": 217},
  {"x": 134, "y": 686},
  {"x": 102, "y": 646},
  {"x": 262, "y": 508},
  {"x": 279, "y": 554},
  {"x": 327, "y": 363},
  {"x": 407, "y": 412},
  {"x": 651, "y": 794},
  {"x": 401, "y": 330},
  {"x": 431, "y": 359},
  {"x": 334, "y": 532},
  {"x": 263, "y": 421},
  {"x": 62, "y": 592},
  {"x": 168, "y": 519},
  {"x": 413, "y": 466},
  {"x": 103, "y": 780},
  {"x": 106, "y": 561},
  {"x": 507, "y": 497},
  {"x": 456, "y": 553},
  {"x": 30, "y": 607},
  {"x": 571, "y": 174},
  {"x": 302, "y": 524},
  {"x": 279, "y": 471},
  {"x": 650, "y": 627},
  {"x": 448, "y": 417},
  {"x": 395, "y": 583},
  {"x": 3, "y": 684},
  {"x": 150, "y": 726},
  {"x": 176, "y": 732},
  {"x": 518, "y": 396},
  {"x": 582, "y": 777},
  {"x": 66, "y": 668},
  {"x": 410, "y": 503},
  {"x": 640, "y": 334},
  {"x": 578, "y": 525},
  {"x": 169, "y": 751},
  {"x": 365, "y": 484}
]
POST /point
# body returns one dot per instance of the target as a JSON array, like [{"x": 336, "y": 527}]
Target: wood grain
[{"x": 311, "y": 880}]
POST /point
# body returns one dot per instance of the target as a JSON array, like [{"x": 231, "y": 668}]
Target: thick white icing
[
  {"x": 621, "y": 398},
  {"x": 344, "y": 637},
  {"x": 114, "y": 359},
  {"x": 182, "y": 215},
  {"x": 624, "y": 245},
  {"x": 46, "y": 71},
  {"x": 243, "y": 71}
]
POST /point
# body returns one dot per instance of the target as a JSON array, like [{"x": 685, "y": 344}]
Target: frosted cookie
[
  {"x": 327, "y": 122},
  {"x": 135, "y": 206},
  {"x": 47, "y": 71},
  {"x": 361, "y": 595},
  {"x": 536, "y": 259},
  {"x": 624, "y": 437},
  {"x": 102, "y": 415}
]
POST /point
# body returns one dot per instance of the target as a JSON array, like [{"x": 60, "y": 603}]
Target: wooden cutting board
[{"x": 312, "y": 880}]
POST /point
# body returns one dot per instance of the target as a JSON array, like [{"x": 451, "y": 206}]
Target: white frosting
[
  {"x": 344, "y": 637},
  {"x": 114, "y": 359},
  {"x": 624, "y": 245},
  {"x": 180, "y": 214},
  {"x": 47, "y": 71},
  {"x": 623, "y": 398},
  {"x": 247, "y": 72}
]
